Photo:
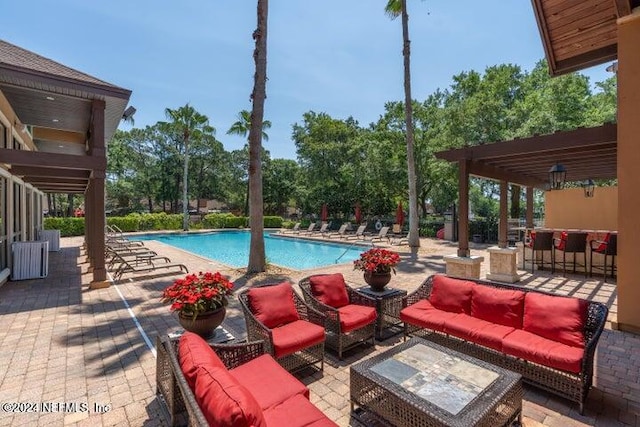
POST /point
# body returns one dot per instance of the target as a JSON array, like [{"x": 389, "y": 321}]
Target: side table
[{"x": 388, "y": 306}]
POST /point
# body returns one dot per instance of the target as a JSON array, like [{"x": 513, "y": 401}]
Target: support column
[
  {"x": 97, "y": 149},
  {"x": 502, "y": 259},
  {"x": 504, "y": 215},
  {"x": 529, "y": 207},
  {"x": 628, "y": 171},
  {"x": 463, "y": 213},
  {"x": 88, "y": 225}
]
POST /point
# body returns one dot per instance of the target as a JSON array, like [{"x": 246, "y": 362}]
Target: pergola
[
  {"x": 65, "y": 118},
  {"x": 587, "y": 153}
]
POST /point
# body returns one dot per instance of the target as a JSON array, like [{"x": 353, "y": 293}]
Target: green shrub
[
  {"x": 67, "y": 226},
  {"x": 236, "y": 221},
  {"x": 127, "y": 223},
  {"x": 273, "y": 222}
]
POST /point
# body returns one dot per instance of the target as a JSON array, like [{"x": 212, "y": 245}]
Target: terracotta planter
[
  {"x": 377, "y": 281},
  {"x": 205, "y": 324}
]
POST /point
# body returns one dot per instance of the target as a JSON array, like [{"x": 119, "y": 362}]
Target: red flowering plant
[
  {"x": 377, "y": 260},
  {"x": 198, "y": 293}
]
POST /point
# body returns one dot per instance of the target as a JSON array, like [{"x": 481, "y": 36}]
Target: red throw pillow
[
  {"x": 453, "y": 295},
  {"x": 563, "y": 241},
  {"x": 330, "y": 289},
  {"x": 193, "y": 352},
  {"x": 501, "y": 306},
  {"x": 273, "y": 305},
  {"x": 224, "y": 401},
  {"x": 557, "y": 318}
]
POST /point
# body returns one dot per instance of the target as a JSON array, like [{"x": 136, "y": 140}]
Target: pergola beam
[
  {"x": 33, "y": 171},
  {"x": 51, "y": 160}
]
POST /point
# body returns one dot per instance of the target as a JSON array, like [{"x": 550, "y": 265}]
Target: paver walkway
[{"x": 74, "y": 356}]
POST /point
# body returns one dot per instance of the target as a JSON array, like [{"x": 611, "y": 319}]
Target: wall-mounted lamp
[
  {"x": 557, "y": 176},
  {"x": 128, "y": 113},
  {"x": 589, "y": 187}
]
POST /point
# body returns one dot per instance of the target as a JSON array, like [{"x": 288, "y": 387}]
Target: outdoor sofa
[
  {"x": 549, "y": 339},
  {"x": 230, "y": 385}
]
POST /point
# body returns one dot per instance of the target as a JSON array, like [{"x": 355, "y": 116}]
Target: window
[
  {"x": 17, "y": 212},
  {"x": 3, "y": 136}
]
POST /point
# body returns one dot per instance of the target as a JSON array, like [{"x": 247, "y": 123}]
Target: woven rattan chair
[
  {"x": 607, "y": 247},
  {"x": 538, "y": 242},
  {"x": 357, "y": 324},
  {"x": 570, "y": 242},
  {"x": 257, "y": 330}
]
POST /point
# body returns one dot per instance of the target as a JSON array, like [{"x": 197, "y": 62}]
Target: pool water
[{"x": 232, "y": 248}]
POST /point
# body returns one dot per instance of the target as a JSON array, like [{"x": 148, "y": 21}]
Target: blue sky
[{"x": 342, "y": 57}]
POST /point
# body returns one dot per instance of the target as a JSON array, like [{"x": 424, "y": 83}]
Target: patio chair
[
  {"x": 340, "y": 233},
  {"x": 324, "y": 228},
  {"x": 382, "y": 234},
  {"x": 125, "y": 265},
  {"x": 295, "y": 229},
  {"x": 538, "y": 242},
  {"x": 570, "y": 242},
  {"x": 359, "y": 234},
  {"x": 351, "y": 317},
  {"x": 293, "y": 332},
  {"x": 607, "y": 247},
  {"x": 309, "y": 230}
]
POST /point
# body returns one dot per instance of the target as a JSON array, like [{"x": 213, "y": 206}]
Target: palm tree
[
  {"x": 395, "y": 8},
  {"x": 257, "y": 260},
  {"x": 189, "y": 125},
  {"x": 242, "y": 128}
]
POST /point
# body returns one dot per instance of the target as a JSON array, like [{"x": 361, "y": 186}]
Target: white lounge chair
[
  {"x": 309, "y": 230},
  {"x": 295, "y": 229},
  {"x": 359, "y": 234},
  {"x": 341, "y": 231}
]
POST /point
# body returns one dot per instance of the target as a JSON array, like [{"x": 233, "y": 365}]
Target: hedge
[{"x": 67, "y": 226}]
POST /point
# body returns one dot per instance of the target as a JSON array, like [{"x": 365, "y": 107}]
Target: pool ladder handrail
[{"x": 349, "y": 247}]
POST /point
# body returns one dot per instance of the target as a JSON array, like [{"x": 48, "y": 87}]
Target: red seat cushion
[
  {"x": 535, "y": 348},
  {"x": 260, "y": 374},
  {"x": 557, "y": 318},
  {"x": 477, "y": 330},
  {"x": 354, "y": 317},
  {"x": 299, "y": 411},
  {"x": 450, "y": 294},
  {"x": 273, "y": 305},
  {"x": 563, "y": 241},
  {"x": 295, "y": 336},
  {"x": 193, "y": 352},
  {"x": 330, "y": 289},
  {"x": 425, "y": 315},
  {"x": 224, "y": 401},
  {"x": 501, "y": 306},
  {"x": 602, "y": 247}
]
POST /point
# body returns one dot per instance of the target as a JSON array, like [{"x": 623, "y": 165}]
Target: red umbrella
[
  {"x": 400, "y": 214},
  {"x": 324, "y": 213},
  {"x": 358, "y": 214}
]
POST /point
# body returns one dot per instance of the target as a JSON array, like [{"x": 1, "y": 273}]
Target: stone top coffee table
[{"x": 420, "y": 383}]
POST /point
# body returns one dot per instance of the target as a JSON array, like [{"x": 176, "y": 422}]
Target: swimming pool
[{"x": 232, "y": 248}]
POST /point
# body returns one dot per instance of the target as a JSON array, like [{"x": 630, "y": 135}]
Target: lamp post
[{"x": 557, "y": 176}]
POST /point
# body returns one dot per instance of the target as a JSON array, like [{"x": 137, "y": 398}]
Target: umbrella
[
  {"x": 324, "y": 213},
  {"x": 358, "y": 214},
  {"x": 400, "y": 214}
]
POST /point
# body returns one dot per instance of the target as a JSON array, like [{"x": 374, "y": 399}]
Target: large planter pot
[
  {"x": 205, "y": 323},
  {"x": 377, "y": 281}
]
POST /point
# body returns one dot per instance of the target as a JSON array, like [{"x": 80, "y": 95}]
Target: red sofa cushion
[
  {"x": 330, "y": 289},
  {"x": 425, "y": 315},
  {"x": 535, "y": 348},
  {"x": 193, "y": 352},
  {"x": 297, "y": 410},
  {"x": 556, "y": 318},
  {"x": 354, "y": 316},
  {"x": 450, "y": 294},
  {"x": 273, "y": 305},
  {"x": 501, "y": 306},
  {"x": 295, "y": 336},
  {"x": 223, "y": 401},
  {"x": 261, "y": 374},
  {"x": 477, "y": 330}
]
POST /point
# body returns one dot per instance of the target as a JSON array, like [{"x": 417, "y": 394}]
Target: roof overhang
[
  {"x": 585, "y": 152},
  {"x": 577, "y": 34}
]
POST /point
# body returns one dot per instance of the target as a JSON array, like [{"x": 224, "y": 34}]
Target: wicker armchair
[
  {"x": 257, "y": 330},
  {"x": 342, "y": 337}
]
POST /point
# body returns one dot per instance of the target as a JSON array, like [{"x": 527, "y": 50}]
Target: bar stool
[
  {"x": 539, "y": 241},
  {"x": 570, "y": 242},
  {"x": 607, "y": 247}
]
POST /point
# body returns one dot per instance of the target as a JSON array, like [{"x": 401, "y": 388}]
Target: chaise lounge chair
[
  {"x": 342, "y": 231},
  {"x": 295, "y": 229},
  {"x": 359, "y": 234},
  {"x": 125, "y": 265},
  {"x": 382, "y": 234},
  {"x": 309, "y": 230}
]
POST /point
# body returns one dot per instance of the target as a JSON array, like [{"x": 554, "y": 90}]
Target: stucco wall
[{"x": 570, "y": 209}]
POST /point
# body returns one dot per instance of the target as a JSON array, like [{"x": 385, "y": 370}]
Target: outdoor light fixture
[
  {"x": 589, "y": 187},
  {"x": 128, "y": 113},
  {"x": 557, "y": 176}
]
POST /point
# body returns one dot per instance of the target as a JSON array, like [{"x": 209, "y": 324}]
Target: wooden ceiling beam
[
  {"x": 623, "y": 7},
  {"x": 51, "y": 160},
  {"x": 487, "y": 171},
  {"x": 34, "y": 171},
  {"x": 48, "y": 134},
  {"x": 41, "y": 181}
]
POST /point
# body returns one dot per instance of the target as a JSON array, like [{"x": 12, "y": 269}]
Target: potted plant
[
  {"x": 377, "y": 264},
  {"x": 200, "y": 300}
]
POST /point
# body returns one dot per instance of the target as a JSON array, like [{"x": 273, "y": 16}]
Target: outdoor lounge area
[{"x": 96, "y": 354}]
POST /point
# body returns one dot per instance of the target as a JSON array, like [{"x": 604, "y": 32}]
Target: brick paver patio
[{"x": 74, "y": 356}]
